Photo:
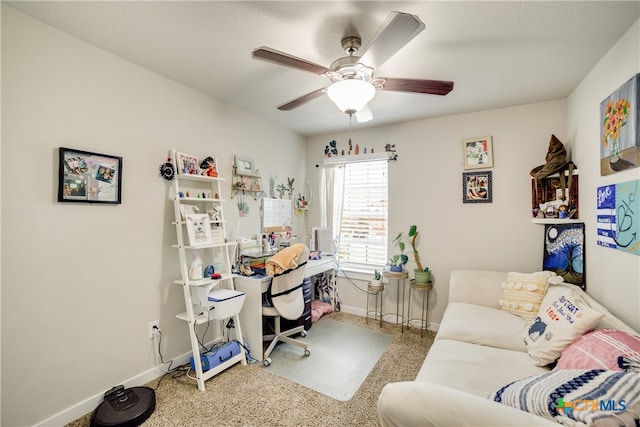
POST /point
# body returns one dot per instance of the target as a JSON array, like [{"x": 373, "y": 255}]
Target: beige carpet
[{"x": 252, "y": 396}]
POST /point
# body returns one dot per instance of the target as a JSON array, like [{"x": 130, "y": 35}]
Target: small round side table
[
  {"x": 424, "y": 317},
  {"x": 377, "y": 292},
  {"x": 400, "y": 278}
]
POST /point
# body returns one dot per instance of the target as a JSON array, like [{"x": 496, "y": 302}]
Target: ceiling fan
[{"x": 353, "y": 83}]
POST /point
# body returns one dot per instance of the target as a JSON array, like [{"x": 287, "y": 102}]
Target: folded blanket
[{"x": 285, "y": 259}]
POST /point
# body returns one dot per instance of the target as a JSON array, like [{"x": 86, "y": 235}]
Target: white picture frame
[
  {"x": 244, "y": 165},
  {"x": 198, "y": 229},
  {"x": 478, "y": 152}
]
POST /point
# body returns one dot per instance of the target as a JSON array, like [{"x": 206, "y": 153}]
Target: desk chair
[{"x": 286, "y": 296}]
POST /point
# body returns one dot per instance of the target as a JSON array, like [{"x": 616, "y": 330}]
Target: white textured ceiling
[{"x": 498, "y": 54}]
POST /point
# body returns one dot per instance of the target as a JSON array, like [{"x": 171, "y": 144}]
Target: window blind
[{"x": 363, "y": 223}]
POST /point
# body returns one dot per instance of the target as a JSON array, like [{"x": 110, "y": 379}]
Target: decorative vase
[
  {"x": 376, "y": 283},
  {"x": 422, "y": 277},
  {"x": 614, "y": 149},
  {"x": 395, "y": 268}
]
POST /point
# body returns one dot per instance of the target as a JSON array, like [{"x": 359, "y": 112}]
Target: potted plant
[
  {"x": 397, "y": 262},
  {"x": 422, "y": 274},
  {"x": 377, "y": 278}
]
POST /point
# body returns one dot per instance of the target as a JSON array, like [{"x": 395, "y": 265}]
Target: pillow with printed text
[{"x": 563, "y": 317}]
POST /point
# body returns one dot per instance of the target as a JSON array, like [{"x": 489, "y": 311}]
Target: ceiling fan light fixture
[{"x": 351, "y": 95}]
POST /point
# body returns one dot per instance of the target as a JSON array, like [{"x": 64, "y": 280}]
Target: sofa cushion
[
  {"x": 600, "y": 350},
  {"x": 588, "y": 397},
  {"x": 473, "y": 368},
  {"x": 522, "y": 293},
  {"x": 482, "y": 325},
  {"x": 563, "y": 317}
]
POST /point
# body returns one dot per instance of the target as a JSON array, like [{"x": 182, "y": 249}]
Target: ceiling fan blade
[
  {"x": 364, "y": 115},
  {"x": 431, "y": 87},
  {"x": 397, "y": 31},
  {"x": 281, "y": 58},
  {"x": 295, "y": 103}
]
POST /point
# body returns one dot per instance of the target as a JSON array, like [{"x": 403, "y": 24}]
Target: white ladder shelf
[{"x": 202, "y": 194}]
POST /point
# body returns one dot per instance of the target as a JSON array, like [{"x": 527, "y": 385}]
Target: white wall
[
  {"x": 81, "y": 282},
  {"x": 613, "y": 276},
  {"x": 425, "y": 188}
]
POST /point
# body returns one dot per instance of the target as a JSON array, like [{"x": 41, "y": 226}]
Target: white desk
[{"x": 251, "y": 314}]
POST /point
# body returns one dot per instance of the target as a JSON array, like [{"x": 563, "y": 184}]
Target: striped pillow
[
  {"x": 522, "y": 293},
  {"x": 600, "y": 350},
  {"x": 577, "y": 397}
]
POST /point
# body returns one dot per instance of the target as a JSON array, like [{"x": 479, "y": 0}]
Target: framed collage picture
[
  {"x": 477, "y": 187},
  {"x": 86, "y": 177}
]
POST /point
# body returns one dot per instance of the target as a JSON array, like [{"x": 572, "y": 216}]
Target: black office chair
[{"x": 285, "y": 297}]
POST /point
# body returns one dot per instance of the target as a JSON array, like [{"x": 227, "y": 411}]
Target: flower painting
[{"x": 619, "y": 137}]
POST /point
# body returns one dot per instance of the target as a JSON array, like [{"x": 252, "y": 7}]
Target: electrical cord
[
  {"x": 177, "y": 372},
  {"x": 346, "y": 276}
]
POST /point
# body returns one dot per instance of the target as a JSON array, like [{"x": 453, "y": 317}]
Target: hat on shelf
[{"x": 556, "y": 160}]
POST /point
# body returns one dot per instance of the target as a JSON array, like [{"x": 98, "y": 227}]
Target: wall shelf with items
[
  {"x": 246, "y": 183},
  {"x": 547, "y": 206},
  {"x": 201, "y": 241}
]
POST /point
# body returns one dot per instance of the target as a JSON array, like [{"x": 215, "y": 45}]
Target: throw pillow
[
  {"x": 600, "y": 350},
  {"x": 522, "y": 293},
  {"x": 575, "y": 396},
  {"x": 563, "y": 317}
]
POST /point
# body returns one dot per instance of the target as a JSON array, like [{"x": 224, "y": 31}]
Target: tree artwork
[{"x": 564, "y": 252}]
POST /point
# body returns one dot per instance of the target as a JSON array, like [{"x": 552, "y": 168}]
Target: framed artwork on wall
[
  {"x": 618, "y": 216},
  {"x": 86, "y": 177},
  {"x": 564, "y": 252},
  {"x": 478, "y": 153},
  {"x": 244, "y": 165},
  {"x": 477, "y": 187},
  {"x": 619, "y": 122}
]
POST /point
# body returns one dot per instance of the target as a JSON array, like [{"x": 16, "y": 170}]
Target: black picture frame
[
  {"x": 477, "y": 187},
  {"x": 88, "y": 177}
]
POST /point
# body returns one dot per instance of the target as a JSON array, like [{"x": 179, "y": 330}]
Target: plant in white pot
[
  {"x": 377, "y": 279},
  {"x": 422, "y": 274}
]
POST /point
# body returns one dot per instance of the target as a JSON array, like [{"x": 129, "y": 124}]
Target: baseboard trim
[{"x": 86, "y": 406}]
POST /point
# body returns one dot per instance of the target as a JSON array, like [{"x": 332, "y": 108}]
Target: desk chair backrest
[{"x": 286, "y": 288}]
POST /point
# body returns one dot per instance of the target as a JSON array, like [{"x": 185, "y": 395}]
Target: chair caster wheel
[
  {"x": 307, "y": 351},
  {"x": 267, "y": 362},
  {"x": 303, "y": 334}
]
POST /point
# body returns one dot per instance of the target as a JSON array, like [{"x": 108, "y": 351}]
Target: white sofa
[{"x": 478, "y": 349}]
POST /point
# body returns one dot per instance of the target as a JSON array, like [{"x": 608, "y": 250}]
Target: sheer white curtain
[{"x": 331, "y": 191}]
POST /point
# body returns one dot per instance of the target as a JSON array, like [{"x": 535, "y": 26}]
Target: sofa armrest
[
  {"x": 411, "y": 403},
  {"x": 476, "y": 287}
]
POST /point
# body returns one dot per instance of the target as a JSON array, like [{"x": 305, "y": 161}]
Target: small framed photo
[
  {"x": 478, "y": 153},
  {"x": 244, "y": 165},
  {"x": 198, "y": 229},
  {"x": 187, "y": 165},
  {"x": 88, "y": 177},
  {"x": 476, "y": 187}
]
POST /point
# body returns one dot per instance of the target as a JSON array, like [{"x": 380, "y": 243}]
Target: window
[{"x": 358, "y": 209}]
